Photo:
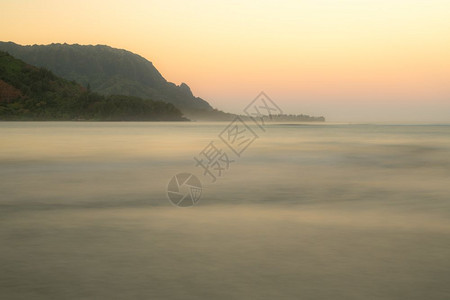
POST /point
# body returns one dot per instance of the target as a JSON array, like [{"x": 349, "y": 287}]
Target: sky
[{"x": 348, "y": 60}]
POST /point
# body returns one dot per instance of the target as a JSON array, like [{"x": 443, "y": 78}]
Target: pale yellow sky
[{"x": 350, "y": 60}]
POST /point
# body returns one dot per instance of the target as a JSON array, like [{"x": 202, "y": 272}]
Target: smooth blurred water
[{"x": 310, "y": 211}]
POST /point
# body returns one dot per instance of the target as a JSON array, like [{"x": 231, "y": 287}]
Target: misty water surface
[{"x": 310, "y": 211}]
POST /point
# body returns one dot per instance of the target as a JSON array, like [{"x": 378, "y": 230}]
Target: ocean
[{"x": 299, "y": 211}]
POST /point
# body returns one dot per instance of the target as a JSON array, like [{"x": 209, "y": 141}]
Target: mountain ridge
[
  {"x": 108, "y": 71},
  {"x": 112, "y": 71},
  {"x": 30, "y": 93}
]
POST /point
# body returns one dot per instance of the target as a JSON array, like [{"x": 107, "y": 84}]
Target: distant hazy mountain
[
  {"x": 107, "y": 71},
  {"x": 31, "y": 93}
]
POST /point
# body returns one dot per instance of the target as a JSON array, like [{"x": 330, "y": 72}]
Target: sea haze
[{"x": 309, "y": 211}]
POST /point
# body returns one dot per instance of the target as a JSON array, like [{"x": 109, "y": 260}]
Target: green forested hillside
[
  {"x": 32, "y": 93},
  {"x": 108, "y": 71}
]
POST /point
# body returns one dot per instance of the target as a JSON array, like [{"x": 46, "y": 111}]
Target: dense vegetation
[
  {"x": 217, "y": 115},
  {"x": 31, "y": 93},
  {"x": 108, "y": 71},
  {"x": 293, "y": 118}
]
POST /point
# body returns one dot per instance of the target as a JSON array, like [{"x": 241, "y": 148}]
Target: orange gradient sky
[{"x": 349, "y": 60}]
